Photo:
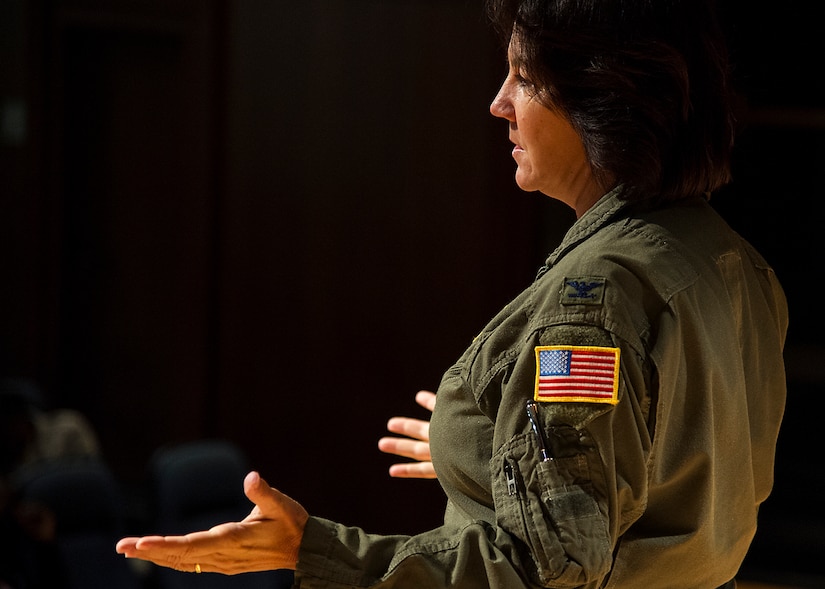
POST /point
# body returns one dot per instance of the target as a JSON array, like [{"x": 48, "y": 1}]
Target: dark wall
[
  {"x": 364, "y": 239},
  {"x": 274, "y": 222},
  {"x": 263, "y": 222}
]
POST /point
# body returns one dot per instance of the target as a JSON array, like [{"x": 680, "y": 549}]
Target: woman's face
[{"x": 549, "y": 154}]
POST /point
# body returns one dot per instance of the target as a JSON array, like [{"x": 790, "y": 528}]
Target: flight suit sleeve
[
  {"x": 473, "y": 556},
  {"x": 567, "y": 512}
]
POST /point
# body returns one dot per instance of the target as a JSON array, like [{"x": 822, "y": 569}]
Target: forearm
[{"x": 475, "y": 556}]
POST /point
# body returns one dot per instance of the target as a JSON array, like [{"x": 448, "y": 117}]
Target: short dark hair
[{"x": 644, "y": 82}]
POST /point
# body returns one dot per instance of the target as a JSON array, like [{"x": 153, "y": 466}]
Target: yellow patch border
[{"x": 613, "y": 400}]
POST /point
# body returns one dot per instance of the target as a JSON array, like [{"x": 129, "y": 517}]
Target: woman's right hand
[{"x": 417, "y": 448}]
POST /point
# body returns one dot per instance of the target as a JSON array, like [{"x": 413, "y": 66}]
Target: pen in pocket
[{"x": 532, "y": 414}]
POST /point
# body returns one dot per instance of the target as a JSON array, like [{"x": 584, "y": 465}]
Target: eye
[
  {"x": 524, "y": 82},
  {"x": 518, "y": 74}
]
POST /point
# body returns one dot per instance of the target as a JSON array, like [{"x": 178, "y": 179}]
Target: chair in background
[{"x": 76, "y": 506}]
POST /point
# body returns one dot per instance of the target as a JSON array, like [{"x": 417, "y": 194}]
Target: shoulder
[{"x": 624, "y": 275}]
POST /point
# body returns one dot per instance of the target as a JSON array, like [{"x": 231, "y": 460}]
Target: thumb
[
  {"x": 258, "y": 490},
  {"x": 272, "y": 504}
]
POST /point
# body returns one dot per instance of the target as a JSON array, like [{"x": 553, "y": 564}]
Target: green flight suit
[{"x": 654, "y": 486}]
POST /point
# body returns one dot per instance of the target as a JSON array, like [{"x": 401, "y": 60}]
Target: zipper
[{"x": 511, "y": 479}]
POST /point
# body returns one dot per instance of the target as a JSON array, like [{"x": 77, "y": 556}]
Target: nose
[{"x": 502, "y": 105}]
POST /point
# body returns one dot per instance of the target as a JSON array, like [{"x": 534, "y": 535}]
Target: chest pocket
[{"x": 550, "y": 507}]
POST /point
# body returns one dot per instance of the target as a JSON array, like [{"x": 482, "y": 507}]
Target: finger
[
  {"x": 406, "y": 448},
  {"x": 413, "y": 470},
  {"x": 426, "y": 399},
  {"x": 126, "y": 545},
  {"x": 208, "y": 548},
  {"x": 414, "y": 428},
  {"x": 179, "y": 548},
  {"x": 168, "y": 551}
]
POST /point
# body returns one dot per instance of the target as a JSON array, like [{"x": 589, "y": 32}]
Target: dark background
[{"x": 274, "y": 222}]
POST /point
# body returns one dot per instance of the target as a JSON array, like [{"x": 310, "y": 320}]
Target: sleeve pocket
[{"x": 550, "y": 507}]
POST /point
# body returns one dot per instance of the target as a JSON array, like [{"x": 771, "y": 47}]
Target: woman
[{"x": 615, "y": 425}]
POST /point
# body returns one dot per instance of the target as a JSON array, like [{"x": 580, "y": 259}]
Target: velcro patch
[
  {"x": 582, "y": 374},
  {"x": 583, "y": 290}
]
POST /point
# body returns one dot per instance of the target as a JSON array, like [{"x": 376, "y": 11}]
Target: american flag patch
[{"x": 583, "y": 374}]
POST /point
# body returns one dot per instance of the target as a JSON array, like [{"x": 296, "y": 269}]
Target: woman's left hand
[
  {"x": 417, "y": 448},
  {"x": 267, "y": 539}
]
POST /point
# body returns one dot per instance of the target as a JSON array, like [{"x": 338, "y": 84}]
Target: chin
[
  {"x": 525, "y": 184},
  {"x": 522, "y": 181}
]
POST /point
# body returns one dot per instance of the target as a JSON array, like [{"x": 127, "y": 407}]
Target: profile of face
[{"x": 550, "y": 156}]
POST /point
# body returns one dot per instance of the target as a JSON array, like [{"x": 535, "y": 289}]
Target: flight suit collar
[{"x": 599, "y": 215}]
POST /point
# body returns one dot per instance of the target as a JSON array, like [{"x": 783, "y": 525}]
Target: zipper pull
[{"x": 511, "y": 479}]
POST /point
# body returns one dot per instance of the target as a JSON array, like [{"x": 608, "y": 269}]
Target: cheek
[
  {"x": 558, "y": 143},
  {"x": 543, "y": 154}
]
